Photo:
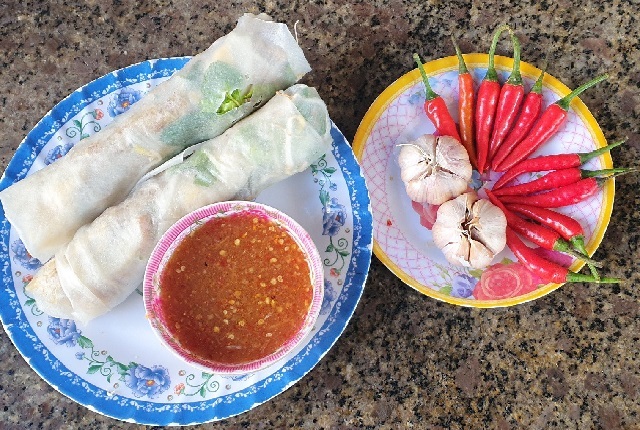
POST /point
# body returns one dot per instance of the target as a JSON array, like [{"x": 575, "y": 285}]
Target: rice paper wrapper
[
  {"x": 106, "y": 259},
  {"x": 245, "y": 67}
]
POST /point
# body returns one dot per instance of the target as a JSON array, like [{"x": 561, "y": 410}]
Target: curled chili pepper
[
  {"x": 436, "y": 108},
  {"x": 551, "y": 162},
  {"x": 545, "y": 269},
  {"x": 486, "y": 103},
  {"x": 547, "y": 125},
  {"x": 556, "y": 178},
  {"x": 530, "y": 111},
  {"x": 511, "y": 97},
  {"x": 466, "y": 102}
]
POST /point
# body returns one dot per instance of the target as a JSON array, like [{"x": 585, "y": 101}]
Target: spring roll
[
  {"x": 215, "y": 89},
  {"x": 105, "y": 260}
]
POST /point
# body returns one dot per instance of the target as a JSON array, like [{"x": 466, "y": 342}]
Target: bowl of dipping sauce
[{"x": 234, "y": 287}]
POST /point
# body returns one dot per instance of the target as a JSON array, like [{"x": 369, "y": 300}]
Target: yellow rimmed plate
[{"x": 405, "y": 245}]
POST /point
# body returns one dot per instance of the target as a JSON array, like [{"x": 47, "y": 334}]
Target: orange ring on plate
[{"x": 447, "y": 64}]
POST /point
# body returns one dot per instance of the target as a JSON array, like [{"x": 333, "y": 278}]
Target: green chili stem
[
  {"x": 430, "y": 93},
  {"x": 462, "y": 66},
  {"x": 609, "y": 173},
  {"x": 579, "y": 277},
  {"x": 537, "y": 87},
  {"x": 566, "y": 100},
  {"x": 492, "y": 75},
  {"x": 515, "y": 78},
  {"x": 598, "y": 152}
]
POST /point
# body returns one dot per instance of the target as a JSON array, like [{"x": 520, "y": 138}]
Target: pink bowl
[{"x": 170, "y": 240}]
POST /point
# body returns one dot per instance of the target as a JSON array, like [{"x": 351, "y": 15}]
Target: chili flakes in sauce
[{"x": 236, "y": 289}]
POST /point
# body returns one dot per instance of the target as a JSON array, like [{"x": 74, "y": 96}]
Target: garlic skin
[
  {"x": 434, "y": 169},
  {"x": 469, "y": 231}
]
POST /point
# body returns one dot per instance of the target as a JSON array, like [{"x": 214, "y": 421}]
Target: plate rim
[
  {"x": 24, "y": 338},
  {"x": 480, "y": 60}
]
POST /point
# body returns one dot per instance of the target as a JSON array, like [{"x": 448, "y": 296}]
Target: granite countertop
[{"x": 567, "y": 360}]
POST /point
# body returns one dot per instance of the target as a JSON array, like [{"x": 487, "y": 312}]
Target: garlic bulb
[
  {"x": 434, "y": 169},
  {"x": 470, "y": 232}
]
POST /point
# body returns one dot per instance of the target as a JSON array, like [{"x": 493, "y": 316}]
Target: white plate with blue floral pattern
[{"x": 115, "y": 365}]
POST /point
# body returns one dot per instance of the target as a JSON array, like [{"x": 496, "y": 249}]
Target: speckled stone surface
[{"x": 569, "y": 360}]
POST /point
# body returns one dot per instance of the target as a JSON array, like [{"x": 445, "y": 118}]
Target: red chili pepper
[
  {"x": 486, "y": 104},
  {"x": 551, "y": 162},
  {"x": 561, "y": 196},
  {"x": 466, "y": 99},
  {"x": 567, "y": 227},
  {"x": 542, "y": 236},
  {"x": 547, "y": 125},
  {"x": 436, "y": 108},
  {"x": 556, "y": 178},
  {"x": 511, "y": 96},
  {"x": 545, "y": 269},
  {"x": 530, "y": 111}
]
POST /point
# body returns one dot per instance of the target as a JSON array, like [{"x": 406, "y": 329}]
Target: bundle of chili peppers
[
  {"x": 501, "y": 126},
  {"x": 565, "y": 184}
]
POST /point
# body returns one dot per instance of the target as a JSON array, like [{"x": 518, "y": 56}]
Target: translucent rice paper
[
  {"x": 106, "y": 259},
  {"x": 48, "y": 207}
]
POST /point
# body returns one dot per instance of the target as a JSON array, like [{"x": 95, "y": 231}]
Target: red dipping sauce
[{"x": 236, "y": 289}]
